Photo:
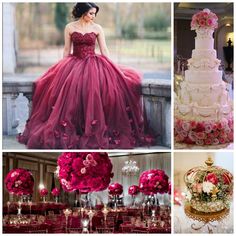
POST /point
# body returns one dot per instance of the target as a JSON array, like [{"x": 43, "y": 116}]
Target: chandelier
[{"x": 130, "y": 168}]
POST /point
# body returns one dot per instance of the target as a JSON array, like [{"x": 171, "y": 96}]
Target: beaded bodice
[{"x": 83, "y": 44}]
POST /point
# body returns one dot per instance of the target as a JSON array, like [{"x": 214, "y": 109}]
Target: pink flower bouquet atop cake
[
  {"x": 204, "y": 19},
  {"x": 133, "y": 190},
  {"x": 115, "y": 189},
  {"x": 85, "y": 172},
  {"x": 153, "y": 181},
  {"x": 19, "y": 182}
]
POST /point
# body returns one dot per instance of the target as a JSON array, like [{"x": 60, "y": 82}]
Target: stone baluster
[{"x": 10, "y": 121}]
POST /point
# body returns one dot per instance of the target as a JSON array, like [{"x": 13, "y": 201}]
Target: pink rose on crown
[
  {"x": 115, "y": 189},
  {"x": 85, "y": 172},
  {"x": 211, "y": 177}
]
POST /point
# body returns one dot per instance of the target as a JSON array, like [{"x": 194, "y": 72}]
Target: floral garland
[
  {"x": 84, "y": 171},
  {"x": 204, "y": 132},
  {"x": 204, "y": 19},
  {"x": 153, "y": 181},
  {"x": 115, "y": 189},
  {"x": 133, "y": 190},
  {"x": 19, "y": 182}
]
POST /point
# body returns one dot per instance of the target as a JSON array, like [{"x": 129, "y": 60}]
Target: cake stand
[{"x": 206, "y": 219}]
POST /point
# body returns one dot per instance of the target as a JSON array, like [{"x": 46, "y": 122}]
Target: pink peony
[
  {"x": 211, "y": 177},
  {"x": 85, "y": 172},
  {"x": 56, "y": 192},
  {"x": 19, "y": 182},
  {"x": 153, "y": 181},
  {"x": 133, "y": 190},
  {"x": 115, "y": 189},
  {"x": 43, "y": 192}
]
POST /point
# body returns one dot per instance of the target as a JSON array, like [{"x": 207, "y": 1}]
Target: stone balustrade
[{"x": 156, "y": 93}]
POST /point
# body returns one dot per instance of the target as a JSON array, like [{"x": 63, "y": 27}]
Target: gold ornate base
[{"x": 205, "y": 217}]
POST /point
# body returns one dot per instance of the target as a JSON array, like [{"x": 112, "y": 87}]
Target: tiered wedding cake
[
  {"x": 210, "y": 188},
  {"x": 203, "y": 110}
]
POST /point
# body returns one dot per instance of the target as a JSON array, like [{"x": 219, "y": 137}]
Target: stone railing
[{"x": 156, "y": 93}]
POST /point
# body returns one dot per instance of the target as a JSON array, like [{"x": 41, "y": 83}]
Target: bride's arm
[
  {"x": 102, "y": 42},
  {"x": 67, "y": 46}
]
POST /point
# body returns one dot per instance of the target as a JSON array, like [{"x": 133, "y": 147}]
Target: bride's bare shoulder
[
  {"x": 70, "y": 26},
  {"x": 97, "y": 27}
]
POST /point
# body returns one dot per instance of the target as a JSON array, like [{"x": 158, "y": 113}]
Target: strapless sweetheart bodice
[{"x": 83, "y": 44}]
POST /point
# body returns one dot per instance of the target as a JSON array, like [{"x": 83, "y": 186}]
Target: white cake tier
[
  {"x": 203, "y": 94},
  {"x": 204, "y": 60},
  {"x": 198, "y": 113},
  {"x": 203, "y": 77},
  {"x": 203, "y": 101},
  {"x": 204, "y": 39}
]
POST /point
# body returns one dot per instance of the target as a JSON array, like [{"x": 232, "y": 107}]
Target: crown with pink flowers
[{"x": 204, "y": 19}]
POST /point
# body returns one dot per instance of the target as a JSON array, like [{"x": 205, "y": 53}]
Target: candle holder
[
  {"x": 67, "y": 212},
  {"x": 30, "y": 206},
  {"x": 105, "y": 213},
  {"x": 91, "y": 214},
  {"x": 19, "y": 209},
  {"x": 85, "y": 223},
  {"x": 8, "y": 208}
]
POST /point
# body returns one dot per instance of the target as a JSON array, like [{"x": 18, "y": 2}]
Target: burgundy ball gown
[{"x": 85, "y": 101}]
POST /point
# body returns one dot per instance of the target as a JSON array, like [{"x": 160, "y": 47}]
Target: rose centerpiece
[
  {"x": 43, "y": 193},
  {"x": 85, "y": 172},
  {"x": 133, "y": 191},
  {"x": 152, "y": 182},
  {"x": 55, "y": 193},
  {"x": 115, "y": 189},
  {"x": 19, "y": 182}
]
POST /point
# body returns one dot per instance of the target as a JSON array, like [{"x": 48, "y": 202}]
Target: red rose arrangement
[
  {"x": 204, "y": 19},
  {"x": 133, "y": 190},
  {"x": 84, "y": 171},
  {"x": 153, "y": 181},
  {"x": 204, "y": 133},
  {"x": 115, "y": 189},
  {"x": 55, "y": 192},
  {"x": 43, "y": 192},
  {"x": 19, "y": 182}
]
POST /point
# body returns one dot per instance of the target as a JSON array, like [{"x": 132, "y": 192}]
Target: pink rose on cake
[{"x": 204, "y": 19}]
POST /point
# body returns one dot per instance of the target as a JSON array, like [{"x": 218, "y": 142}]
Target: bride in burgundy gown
[{"x": 85, "y": 101}]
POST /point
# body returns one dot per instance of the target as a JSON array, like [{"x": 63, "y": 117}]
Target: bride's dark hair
[{"x": 82, "y": 7}]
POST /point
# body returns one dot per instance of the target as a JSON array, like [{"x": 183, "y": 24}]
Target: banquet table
[
  {"x": 36, "y": 208},
  {"x": 129, "y": 228}
]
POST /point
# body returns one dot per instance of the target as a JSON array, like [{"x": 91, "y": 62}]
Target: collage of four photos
[{"x": 117, "y": 117}]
